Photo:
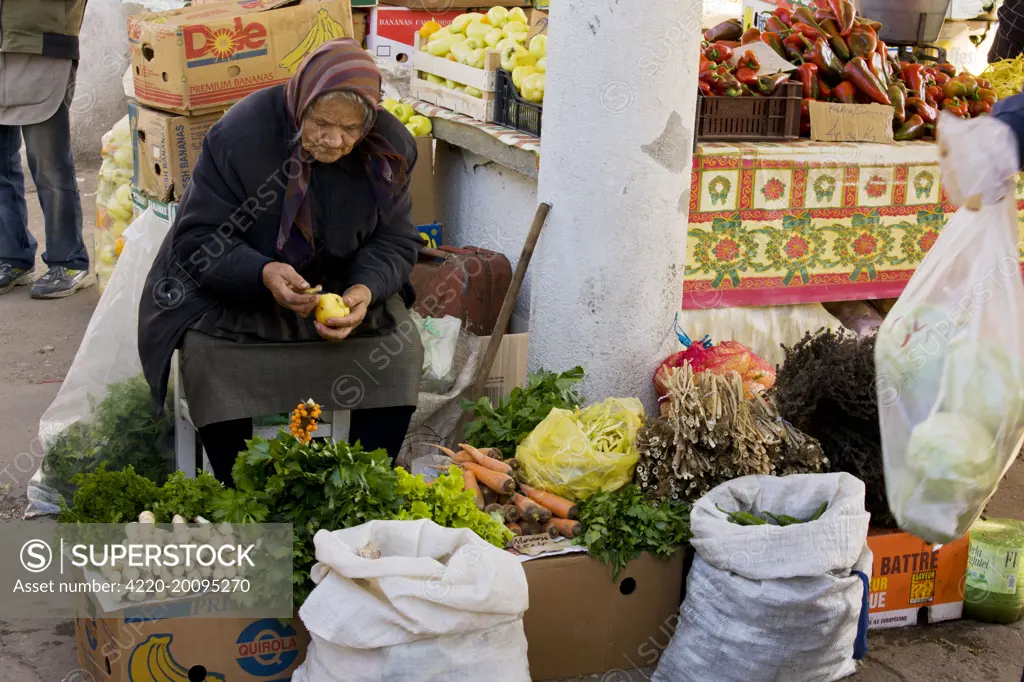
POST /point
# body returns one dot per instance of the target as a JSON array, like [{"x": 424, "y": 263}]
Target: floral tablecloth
[{"x": 774, "y": 223}]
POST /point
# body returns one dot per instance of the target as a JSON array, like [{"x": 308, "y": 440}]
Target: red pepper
[
  {"x": 933, "y": 95},
  {"x": 749, "y": 61},
  {"x": 877, "y": 65},
  {"x": 774, "y": 41},
  {"x": 857, "y": 72},
  {"x": 862, "y": 40},
  {"x": 941, "y": 78},
  {"x": 954, "y": 89},
  {"x": 898, "y": 95},
  {"x": 946, "y": 68},
  {"x": 750, "y": 36},
  {"x": 826, "y": 14},
  {"x": 955, "y": 106},
  {"x": 806, "y": 15},
  {"x": 838, "y": 43},
  {"x": 970, "y": 85},
  {"x": 767, "y": 85},
  {"x": 808, "y": 75},
  {"x": 805, "y": 117},
  {"x": 821, "y": 54},
  {"x": 774, "y": 25},
  {"x": 705, "y": 88},
  {"x": 916, "y": 105},
  {"x": 704, "y": 64},
  {"x": 979, "y": 108},
  {"x": 785, "y": 15},
  {"x": 883, "y": 51},
  {"x": 913, "y": 129},
  {"x": 824, "y": 91},
  {"x": 877, "y": 26},
  {"x": 718, "y": 53},
  {"x": 846, "y": 93},
  {"x": 731, "y": 29},
  {"x": 794, "y": 46},
  {"x": 809, "y": 32},
  {"x": 747, "y": 76},
  {"x": 913, "y": 76},
  {"x": 845, "y": 12},
  {"x": 984, "y": 84},
  {"x": 988, "y": 95}
]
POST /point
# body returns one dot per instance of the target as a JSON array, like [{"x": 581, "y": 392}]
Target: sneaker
[
  {"x": 60, "y": 281},
  {"x": 11, "y": 277}
]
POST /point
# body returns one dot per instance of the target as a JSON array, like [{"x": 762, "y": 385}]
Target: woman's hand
[
  {"x": 357, "y": 298},
  {"x": 288, "y": 288}
]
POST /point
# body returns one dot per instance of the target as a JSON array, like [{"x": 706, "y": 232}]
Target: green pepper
[
  {"x": 838, "y": 43},
  {"x": 899, "y": 102},
  {"x": 806, "y": 16},
  {"x": 875, "y": 26},
  {"x": 820, "y": 54},
  {"x": 987, "y": 95},
  {"x": 877, "y": 65},
  {"x": 954, "y": 89},
  {"x": 817, "y": 514},
  {"x": 784, "y": 520},
  {"x": 743, "y": 518},
  {"x": 857, "y": 72},
  {"x": 767, "y": 85},
  {"x": 774, "y": 25},
  {"x": 862, "y": 41},
  {"x": 970, "y": 85}
]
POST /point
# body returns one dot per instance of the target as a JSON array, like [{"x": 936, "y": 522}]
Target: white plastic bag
[
  {"x": 950, "y": 365},
  {"x": 440, "y": 337},
  {"x": 108, "y": 354},
  {"x": 438, "y": 604},
  {"x": 770, "y": 603}
]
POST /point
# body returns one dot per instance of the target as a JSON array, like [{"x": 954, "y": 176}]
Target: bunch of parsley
[
  {"x": 620, "y": 526},
  {"x": 505, "y": 426}
]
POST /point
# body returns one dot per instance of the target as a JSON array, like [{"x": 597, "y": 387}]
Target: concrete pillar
[{"x": 615, "y": 164}]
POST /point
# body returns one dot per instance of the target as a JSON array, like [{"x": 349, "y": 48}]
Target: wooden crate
[
  {"x": 480, "y": 108},
  {"x": 484, "y": 79}
]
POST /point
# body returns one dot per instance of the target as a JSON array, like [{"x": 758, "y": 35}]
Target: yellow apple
[
  {"x": 419, "y": 126},
  {"x": 403, "y": 112},
  {"x": 539, "y": 46},
  {"x": 542, "y": 64},
  {"x": 330, "y": 307},
  {"x": 533, "y": 88},
  {"x": 435, "y": 80},
  {"x": 473, "y": 92},
  {"x": 517, "y": 14},
  {"x": 521, "y": 72},
  {"x": 449, "y": 83}
]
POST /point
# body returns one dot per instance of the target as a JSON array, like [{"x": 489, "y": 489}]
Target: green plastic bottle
[{"x": 995, "y": 570}]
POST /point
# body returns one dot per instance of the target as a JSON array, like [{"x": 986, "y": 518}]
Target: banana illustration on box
[
  {"x": 151, "y": 661},
  {"x": 325, "y": 28}
]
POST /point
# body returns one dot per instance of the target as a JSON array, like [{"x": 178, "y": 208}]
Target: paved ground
[{"x": 38, "y": 340}]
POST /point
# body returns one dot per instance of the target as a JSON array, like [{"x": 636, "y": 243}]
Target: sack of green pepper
[{"x": 779, "y": 583}]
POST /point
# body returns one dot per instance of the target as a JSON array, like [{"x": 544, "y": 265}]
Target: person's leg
[
  {"x": 48, "y": 146},
  {"x": 381, "y": 428},
  {"x": 222, "y": 442},
  {"x": 17, "y": 245}
]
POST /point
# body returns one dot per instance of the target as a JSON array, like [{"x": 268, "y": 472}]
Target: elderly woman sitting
[{"x": 299, "y": 185}]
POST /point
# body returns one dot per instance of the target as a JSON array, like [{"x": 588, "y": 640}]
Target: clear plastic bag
[
  {"x": 576, "y": 454},
  {"x": 440, "y": 337},
  {"x": 86, "y": 424},
  {"x": 950, "y": 364}
]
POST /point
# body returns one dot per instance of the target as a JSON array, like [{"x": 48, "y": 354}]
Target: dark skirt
[{"x": 233, "y": 372}]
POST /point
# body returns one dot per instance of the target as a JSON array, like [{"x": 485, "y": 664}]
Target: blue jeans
[{"x": 48, "y": 147}]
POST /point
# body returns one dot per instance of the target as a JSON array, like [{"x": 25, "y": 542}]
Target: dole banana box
[
  {"x": 166, "y": 147},
  {"x": 909, "y": 575},
  {"x": 138, "y": 646},
  {"x": 203, "y": 58}
]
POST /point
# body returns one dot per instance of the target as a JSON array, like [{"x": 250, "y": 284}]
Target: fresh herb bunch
[
  {"x": 123, "y": 430},
  {"x": 826, "y": 388},
  {"x": 110, "y": 497},
  {"x": 447, "y": 502},
  {"x": 320, "y": 485},
  {"x": 189, "y": 497},
  {"x": 504, "y": 427},
  {"x": 620, "y": 526}
]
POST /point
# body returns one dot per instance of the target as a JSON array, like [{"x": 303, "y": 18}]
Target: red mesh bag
[{"x": 728, "y": 356}]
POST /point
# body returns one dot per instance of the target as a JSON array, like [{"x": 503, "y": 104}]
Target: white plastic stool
[{"x": 186, "y": 436}]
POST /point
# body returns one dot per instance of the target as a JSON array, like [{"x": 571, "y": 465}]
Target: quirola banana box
[
  {"x": 138, "y": 647},
  {"x": 205, "y": 57}
]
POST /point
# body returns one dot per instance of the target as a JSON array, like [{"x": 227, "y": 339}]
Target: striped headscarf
[{"x": 339, "y": 64}]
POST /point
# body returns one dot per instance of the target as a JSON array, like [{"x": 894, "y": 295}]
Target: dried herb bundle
[
  {"x": 826, "y": 388},
  {"x": 709, "y": 434}
]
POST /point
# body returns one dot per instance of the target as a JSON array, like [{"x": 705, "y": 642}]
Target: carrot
[
  {"x": 490, "y": 497},
  {"x": 495, "y": 508},
  {"x": 469, "y": 481},
  {"x": 527, "y": 507},
  {"x": 559, "y": 506},
  {"x": 552, "y": 529},
  {"x": 511, "y": 513},
  {"x": 514, "y": 463},
  {"x": 531, "y": 528},
  {"x": 498, "y": 482},
  {"x": 515, "y": 528},
  {"x": 505, "y": 499},
  {"x": 545, "y": 514},
  {"x": 566, "y": 527},
  {"x": 493, "y": 453},
  {"x": 485, "y": 461},
  {"x": 457, "y": 457}
]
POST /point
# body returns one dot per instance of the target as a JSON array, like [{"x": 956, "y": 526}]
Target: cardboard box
[
  {"x": 834, "y": 122},
  {"x": 205, "y": 57},
  {"x": 581, "y": 622},
  {"x": 538, "y": 24},
  {"x": 421, "y": 184},
  {"x": 122, "y": 647},
  {"x": 509, "y": 368},
  {"x": 166, "y": 148},
  {"x": 909, "y": 575},
  {"x": 166, "y": 211},
  {"x": 360, "y": 19},
  {"x": 391, "y": 31}
]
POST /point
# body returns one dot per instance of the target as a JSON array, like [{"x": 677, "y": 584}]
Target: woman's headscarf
[{"x": 339, "y": 64}]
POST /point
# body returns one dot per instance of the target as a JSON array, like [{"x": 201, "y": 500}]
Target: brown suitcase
[{"x": 467, "y": 283}]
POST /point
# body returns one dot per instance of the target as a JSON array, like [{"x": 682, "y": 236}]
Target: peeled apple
[
  {"x": 516, "y": 55},
  {"x": 460, "y": 52},
  {"x": 476, "y": 58},
  {"x": 475, "y": 43},
  {"x": 419, "y": 126},
  {"x": 497, "y": 16},
  {"x": 461, "y": 23},
  {"x": 513, "y": 27},
  {"x": 477, "y": 30},
  {"x": 503, "y": 43},
  {"x": 493, "y": 37},
  {"x": 441, "y": 47},
  {"x": 519, "y": 37},
  {"x": 330, "y": 307},
  {"x": 120, "y": 206},
  {"x": 443, "y": 32},
  {"x": 533, "y": 88},
  {"x": 517, "y": 14},
  {"x": 519, "y": 73},
  {"x": 539, "y": 46}
]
